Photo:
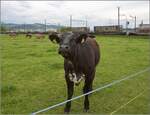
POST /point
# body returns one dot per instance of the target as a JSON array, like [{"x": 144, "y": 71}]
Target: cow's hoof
[
  {"x": 85, "y": 110},
  {"x": 66, "y": 111}
]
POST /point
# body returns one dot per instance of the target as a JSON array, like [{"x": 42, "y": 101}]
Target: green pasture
[{"x": 32, "y": 76}]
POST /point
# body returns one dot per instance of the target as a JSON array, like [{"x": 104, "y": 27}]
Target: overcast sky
[{"x": 96, "y": 12}]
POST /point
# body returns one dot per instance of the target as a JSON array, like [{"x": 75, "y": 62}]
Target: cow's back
[{"x": 96, "y": 49}]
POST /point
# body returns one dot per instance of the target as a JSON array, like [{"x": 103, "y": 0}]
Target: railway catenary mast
[{"x": 119, "y": 17}]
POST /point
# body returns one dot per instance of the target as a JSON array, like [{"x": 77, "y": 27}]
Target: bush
[{"x": 3, "y": 28}]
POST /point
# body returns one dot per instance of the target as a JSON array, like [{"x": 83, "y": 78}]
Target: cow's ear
[
  {"x": 80, "y": 38},
  {"x": 54, "y": 36},
  {"x": 91, "y": 36}
]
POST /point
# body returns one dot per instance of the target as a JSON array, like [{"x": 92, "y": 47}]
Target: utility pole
[
  {"x": 86, "y": 24},
  {"x": 134, "y": 17},
  {"x": 135, "y": 23},
  {"x": 70, "y": 21},
  {"x": 45, "y": 25},
  {"x": 119, "y": 18},
  {"x": 149, "y": 12},
  {"x": 24, "y": 27},
  {"x": 58, "y": 27},
  {"x": 127, "y": 22}
]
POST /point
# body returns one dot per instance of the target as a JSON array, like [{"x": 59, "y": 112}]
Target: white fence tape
[{"x": 98, "y": 89}]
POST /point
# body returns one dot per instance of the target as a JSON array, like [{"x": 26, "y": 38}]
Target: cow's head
[{"x": 67, "y": 42}]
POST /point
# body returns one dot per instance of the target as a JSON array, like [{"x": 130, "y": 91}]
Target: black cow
[
  {"x": 81, "y": 55},
  {"x": 28, "y": 35}
]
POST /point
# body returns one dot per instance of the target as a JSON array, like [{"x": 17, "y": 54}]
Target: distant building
[
  {"x": 144, "y": 29},
  {"x": 80, "y": 29},
  {"x": 107, "y": 29},
  {"x": 51, "y": 30}
]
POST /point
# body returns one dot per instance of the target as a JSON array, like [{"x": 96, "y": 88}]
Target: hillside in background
[{"x": 30, "y": 27}]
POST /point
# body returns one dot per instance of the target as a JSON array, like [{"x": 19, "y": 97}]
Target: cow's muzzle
[{"x": 64, "y": 50}]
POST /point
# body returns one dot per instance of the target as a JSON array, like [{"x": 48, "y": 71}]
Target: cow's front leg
[
  {"x": 87, "y": 88},
  {"x": 70, "y": 89}
]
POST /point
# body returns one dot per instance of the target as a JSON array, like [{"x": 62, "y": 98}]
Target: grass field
[{"x": 33, "y": 76}]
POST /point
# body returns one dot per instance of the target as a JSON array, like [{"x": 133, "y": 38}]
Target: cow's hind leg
[
  {"x": 70, "y": 89},
  {"x": 87, "y": 88}
]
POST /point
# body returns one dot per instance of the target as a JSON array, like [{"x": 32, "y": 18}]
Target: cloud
[{"x": 96, "y": 12}]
